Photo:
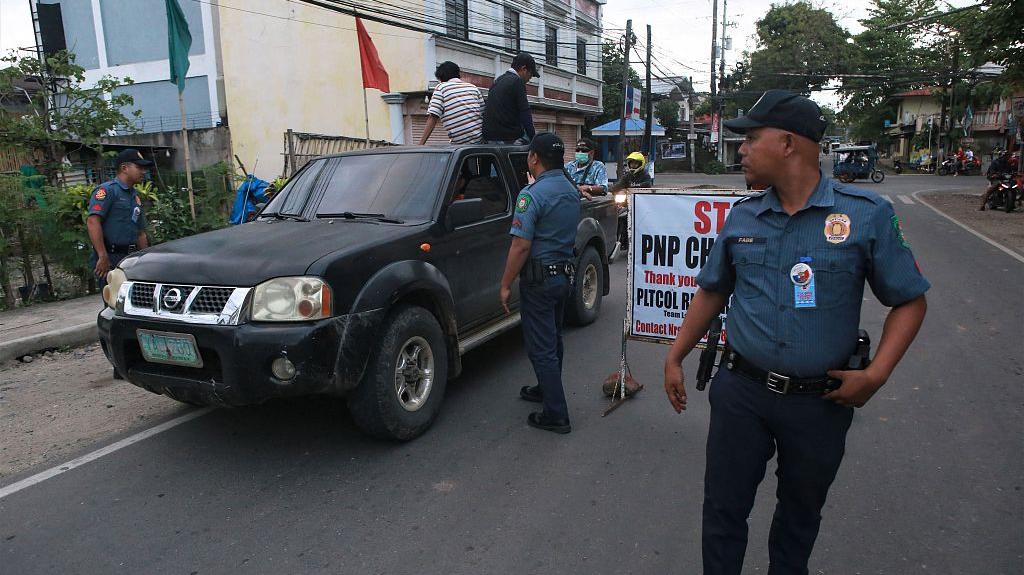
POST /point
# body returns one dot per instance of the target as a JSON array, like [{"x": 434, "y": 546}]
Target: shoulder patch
[
  {"x": 523, "y": 203},
  {"x": 100, "y": 194},
  {"x": 899, "y": 231},
  {"x": 858, "y": 192}
]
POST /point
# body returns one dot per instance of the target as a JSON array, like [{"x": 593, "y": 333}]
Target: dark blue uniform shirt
[
  {"x": 845, "y": 235},
  {"x": 548, "y": 213},
  {"x": 120, "y": 209}
]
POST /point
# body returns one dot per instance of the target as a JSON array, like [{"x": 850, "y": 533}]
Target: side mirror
[{"x": 463, "y": 212}]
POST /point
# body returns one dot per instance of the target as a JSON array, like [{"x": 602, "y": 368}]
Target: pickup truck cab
[{"x": 368, "y": 276}]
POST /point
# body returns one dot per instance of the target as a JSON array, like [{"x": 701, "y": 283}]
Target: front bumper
[{"x": 329, "y": 355}]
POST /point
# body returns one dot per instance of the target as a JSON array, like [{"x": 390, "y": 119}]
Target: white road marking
[
  {"x": 80, "y": 461},
  {"x": 990, "y": 241},
  {"x": 905, "y": 199},
  {"x": 886, "y": 198}
]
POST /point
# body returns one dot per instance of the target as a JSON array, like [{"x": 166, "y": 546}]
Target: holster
[{"x": 535, "y": 273}]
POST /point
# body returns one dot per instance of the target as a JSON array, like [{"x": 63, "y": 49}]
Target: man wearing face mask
[
  {"x": 543, "y": 233},
  {"x": 589, "y": 175}
]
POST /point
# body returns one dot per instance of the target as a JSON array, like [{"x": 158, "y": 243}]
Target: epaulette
[
  {"x": 757, "y": 195},
  {"x": 858, "y": 192}
]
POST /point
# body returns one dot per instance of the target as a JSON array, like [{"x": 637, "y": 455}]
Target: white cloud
[{"x": 15, "y": 25}]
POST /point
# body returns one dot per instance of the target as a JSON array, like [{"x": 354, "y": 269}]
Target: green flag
[{"x": 179, "y": 40}]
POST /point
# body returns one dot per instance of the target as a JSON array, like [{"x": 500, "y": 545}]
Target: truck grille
[
  {"x": 173, "y": 297},
  {"x": 211, "y": 299},
  {"x": 142, "y": 295}
]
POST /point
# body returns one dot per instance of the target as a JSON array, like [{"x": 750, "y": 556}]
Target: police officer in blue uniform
[
  {"x": 117, "y": 222},
  {"x": 543, "y": 232},
  {"x": 794, "y": 260}
]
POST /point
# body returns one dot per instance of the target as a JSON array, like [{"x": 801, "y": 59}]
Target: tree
[
  {"x": 667, "y": 113},
  {"x": 613, "y": 63},
  {"x": 82, "y": 114},
  {"x": 995, "y": 33}
]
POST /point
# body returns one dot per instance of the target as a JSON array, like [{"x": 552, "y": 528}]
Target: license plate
[{"x": 171, "y": 348}]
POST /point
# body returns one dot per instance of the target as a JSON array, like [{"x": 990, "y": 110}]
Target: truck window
[
  {"x": 293, "y": 196},
  {"x": 403, "y": 186},
  {"x": 480, "y": 177},
  {"x": 519, "y": 169}
]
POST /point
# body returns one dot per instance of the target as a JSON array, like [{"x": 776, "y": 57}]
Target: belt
[
  {"x": 121, "y": 249},
  {"x": 781, "y": 384},
  {"x": 536, "y": 272}
]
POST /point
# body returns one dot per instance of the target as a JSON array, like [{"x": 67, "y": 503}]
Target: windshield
[
  {"x": 400, "y": 186},
  {"x": 292, "y": 197}
]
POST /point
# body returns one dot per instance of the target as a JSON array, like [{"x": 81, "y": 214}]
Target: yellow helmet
[{"x": 639, "y": 158}]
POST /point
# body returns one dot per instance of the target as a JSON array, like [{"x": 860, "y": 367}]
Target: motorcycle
[
  {"x": 953, "y": 166},
  {"x": 1007, "y": 195}
]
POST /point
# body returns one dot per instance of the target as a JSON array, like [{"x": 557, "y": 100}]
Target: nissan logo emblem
[{"x": 172, "y": 298}]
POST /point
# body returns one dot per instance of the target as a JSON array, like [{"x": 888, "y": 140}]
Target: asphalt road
[{"x": 931, "y": 482}]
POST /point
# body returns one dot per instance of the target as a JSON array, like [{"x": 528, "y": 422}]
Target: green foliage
[
  {"x": 83, "y": 114},
  {"x": 995, "y": 33},
  {"x": 714, "y": 167},
  {"x": 613, "y": 65},
  {"x": 170, "y": 216},
  {"x": 667, "y": 113}
]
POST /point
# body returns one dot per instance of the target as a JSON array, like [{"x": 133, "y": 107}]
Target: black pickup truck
[{"x": 368, "y": 276}]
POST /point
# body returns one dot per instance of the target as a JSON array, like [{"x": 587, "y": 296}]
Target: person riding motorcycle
[
  {"x": 636, "y": 174},
  {"x": 999, "y": 166}
]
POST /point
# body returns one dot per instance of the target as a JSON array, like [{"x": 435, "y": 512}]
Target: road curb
[
  {"x": 1008, "y": 251},
  {"x": 70, "y": 336}
]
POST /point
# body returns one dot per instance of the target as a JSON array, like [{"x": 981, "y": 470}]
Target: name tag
[{"x": 746, "y": 240}]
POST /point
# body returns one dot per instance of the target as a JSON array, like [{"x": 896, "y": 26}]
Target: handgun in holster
[
  {"x": 709, "y": 356},
  {"x": 861, "y": 358}
]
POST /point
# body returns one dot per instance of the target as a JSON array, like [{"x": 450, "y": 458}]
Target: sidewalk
[{"x": 42, "y": 326}]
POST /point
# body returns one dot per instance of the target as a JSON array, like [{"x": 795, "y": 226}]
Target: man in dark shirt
[{"x": 507, "y": 118}]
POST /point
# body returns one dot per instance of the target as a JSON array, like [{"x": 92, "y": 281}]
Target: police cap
[
  {"x": 549, "y": 148},
  {"x": 785, "y": 111},
  {"x": 131, "y": 155}
]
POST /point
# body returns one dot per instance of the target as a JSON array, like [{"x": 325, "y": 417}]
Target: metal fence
[
  {"x": 301, "y": 147},
  {"x": 150, "y": 124}
]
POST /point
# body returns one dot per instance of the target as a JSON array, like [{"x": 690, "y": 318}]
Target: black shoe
[
  {"x": 540, "y": 421},
  {"x": 531, "y": 393},
  {"x": 117, "y": 375}
]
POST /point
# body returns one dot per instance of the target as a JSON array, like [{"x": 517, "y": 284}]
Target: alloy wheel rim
[{"x": 414, "y": 373}]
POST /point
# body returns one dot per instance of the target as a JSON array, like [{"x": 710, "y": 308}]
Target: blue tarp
[{"x": 251, "y": 192}]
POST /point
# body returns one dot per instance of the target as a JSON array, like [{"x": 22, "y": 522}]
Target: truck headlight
[
  {"x": 115, "y": 279},
  {"x": 620, "y": 198},
  {"x": 291, "y": 299}
]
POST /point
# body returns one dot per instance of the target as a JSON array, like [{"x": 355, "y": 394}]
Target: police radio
[{"x": 710, "y": 354}]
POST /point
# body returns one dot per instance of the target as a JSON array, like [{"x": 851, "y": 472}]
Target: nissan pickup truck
[{"x": 368, "y": 276}]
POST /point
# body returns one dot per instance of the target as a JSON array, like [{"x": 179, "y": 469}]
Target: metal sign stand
[{"x": 620, "y": 395}]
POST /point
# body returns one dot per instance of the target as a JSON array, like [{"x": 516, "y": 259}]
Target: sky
[{"x": 681, "y": 30}]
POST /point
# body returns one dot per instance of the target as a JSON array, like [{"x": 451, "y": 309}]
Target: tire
[
  {"x": 585, "y": 300},
  {"x": 411, "y": 337},
  {"x": 1010, "y": 198},
  {"x": 877, "y": 176},
  {"x": 898, "y": 169},
  {"x": 943, "y": 171}
]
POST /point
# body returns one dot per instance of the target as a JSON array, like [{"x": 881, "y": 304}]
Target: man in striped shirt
[{"x": 457, "y": 104}]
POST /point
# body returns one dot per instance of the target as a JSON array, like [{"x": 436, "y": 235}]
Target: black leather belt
[
  {"x": 121, "y": 249},
  {"x": 536, "y": 272},
  {"x": 781, "y": 384}
]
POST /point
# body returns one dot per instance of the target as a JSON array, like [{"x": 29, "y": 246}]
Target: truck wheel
[
  {"x": 585, "y": 302},
  {"x": 403, "y": 388}
]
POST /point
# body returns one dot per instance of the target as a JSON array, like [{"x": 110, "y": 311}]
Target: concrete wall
[
  {"x": 280, "y": 73},
  {"x": 79, "y": 30},
  {"x": 207, "y": 146},
  {"x": 136, "y": 30},
  {"x": 159, "y": 104}
]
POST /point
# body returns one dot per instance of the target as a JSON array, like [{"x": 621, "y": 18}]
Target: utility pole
[
  {"x": 692, "y": 135},
  {"x": 943, "y": 136},
  {"x": 649, "y": 106},
  {"x": 714, "y": 82},
  {"x": 721, "y": 88},
  {"x": 627, "y": 45}
]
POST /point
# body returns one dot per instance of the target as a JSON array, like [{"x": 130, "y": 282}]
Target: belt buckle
[{"x": 777, "y": 383}]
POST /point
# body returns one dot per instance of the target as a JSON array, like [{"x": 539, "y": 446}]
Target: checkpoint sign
[{"x": 671, "y": 237}]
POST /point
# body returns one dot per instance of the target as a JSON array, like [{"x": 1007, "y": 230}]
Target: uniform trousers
[
  {"x": 542, "y": 308},
  {"x": 114, "y": 260},
  {"x": 749, "y": 424}
]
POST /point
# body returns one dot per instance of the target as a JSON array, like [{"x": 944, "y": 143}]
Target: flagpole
[
  {"x": 366, "y": 115},
  {"x": 188, "y": 159}
]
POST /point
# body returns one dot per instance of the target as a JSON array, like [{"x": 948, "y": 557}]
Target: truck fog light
[{"x": 283, "y": 368}]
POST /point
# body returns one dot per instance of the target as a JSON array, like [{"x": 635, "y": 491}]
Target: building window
[
  {"x": 581, "y": 56},
  {"x": 456, "y": 18},
  {"x": 512, "y": 37},
  {"x": 551, "y": 45}
]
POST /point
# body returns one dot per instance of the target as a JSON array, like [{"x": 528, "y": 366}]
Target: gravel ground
[
  {"x": 63, "y": 403},
  {"x": 1007, "y": 229}
]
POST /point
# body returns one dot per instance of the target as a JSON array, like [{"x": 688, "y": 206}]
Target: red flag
[{"x": 374, "y": 74}]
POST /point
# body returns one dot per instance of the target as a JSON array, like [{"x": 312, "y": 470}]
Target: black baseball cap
[
  {"x": 131, "y": 155},
  {"x": 785, "y": 111},
  {"x": 548, "y": 147},
  {"x": 523, "y": 59}
]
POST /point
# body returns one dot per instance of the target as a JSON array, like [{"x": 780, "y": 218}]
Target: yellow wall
[{"x": 281, "y": 74}]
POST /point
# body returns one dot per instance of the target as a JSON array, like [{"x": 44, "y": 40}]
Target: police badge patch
[
  {"x": 523, "y": 203},
  {"x": 837, "y": 228},
  {"x": 100, "y": 194},
  {"x": 899, "y": 231}
]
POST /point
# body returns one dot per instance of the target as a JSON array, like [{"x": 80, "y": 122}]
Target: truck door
[{"x": 472, "y": 256}]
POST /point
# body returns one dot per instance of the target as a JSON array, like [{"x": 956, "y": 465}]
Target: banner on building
[
  {"x": 671, "y": 235},
  {"x": 714, "y": 128}
]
